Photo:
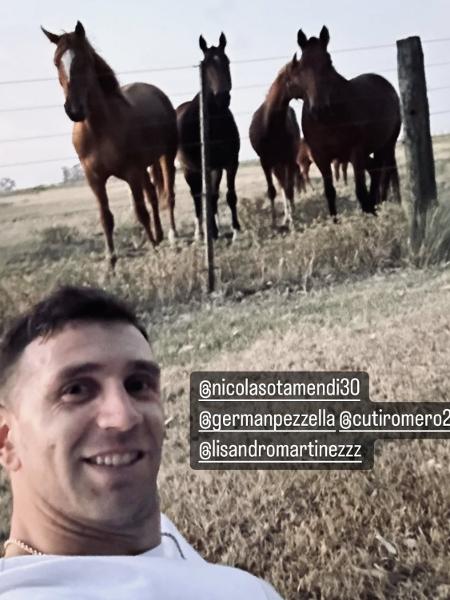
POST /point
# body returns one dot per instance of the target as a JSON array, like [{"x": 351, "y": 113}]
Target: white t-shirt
[{"x": 171, "y": 571}]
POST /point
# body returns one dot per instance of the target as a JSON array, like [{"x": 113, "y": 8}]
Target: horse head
[
  {"x": 217, "y": 71},
  {"x": 312, "y": 76},
  {"x": 79, "y": 69}
]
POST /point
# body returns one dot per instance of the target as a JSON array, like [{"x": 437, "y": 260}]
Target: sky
[{"x": 154, "y": 36}]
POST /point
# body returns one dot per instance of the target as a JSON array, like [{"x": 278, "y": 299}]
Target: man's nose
[{"x": 118, "y": 410}]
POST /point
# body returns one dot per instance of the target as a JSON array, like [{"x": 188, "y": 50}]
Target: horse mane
[
  {"x": 106, "y": 76},
  {"x": 107, "y": 79},
  {"x": 275, "y": 90}
]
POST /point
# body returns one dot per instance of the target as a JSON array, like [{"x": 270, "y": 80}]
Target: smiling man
[{"x": 81, "y": 433}]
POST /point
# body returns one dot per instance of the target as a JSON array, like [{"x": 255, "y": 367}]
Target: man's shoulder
[
  {"x": 227, "y": 573},
  {"x": 174, "y": 544}
]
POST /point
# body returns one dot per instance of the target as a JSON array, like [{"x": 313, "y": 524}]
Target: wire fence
[
  {"x": 238, "y": 61},
  {"x": 186, "y": 94}
]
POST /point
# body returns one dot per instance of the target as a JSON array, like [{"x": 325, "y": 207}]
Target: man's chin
[{"x": 118, "y": 515}]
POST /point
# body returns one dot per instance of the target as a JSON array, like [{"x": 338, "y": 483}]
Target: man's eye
[
  {"x": 140, "y": 384},
  {"x": 77, "y": 391}
]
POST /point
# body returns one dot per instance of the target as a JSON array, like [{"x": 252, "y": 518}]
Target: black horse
[{"x": 224, "y": 140}]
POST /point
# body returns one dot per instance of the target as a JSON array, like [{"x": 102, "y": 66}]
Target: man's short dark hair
[{"x": 53, "y": 313}]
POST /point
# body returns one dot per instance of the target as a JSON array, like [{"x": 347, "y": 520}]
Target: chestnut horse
[
  {"x": 224, "y": 142},
  {"x": 304, "y": 161},
  {"x": 117, "y": 131},
  {"x": 346, "y": 119},
  {"x": 275, "y": 137}
]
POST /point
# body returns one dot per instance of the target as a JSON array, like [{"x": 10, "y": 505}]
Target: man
[{"x": 81, "y": 432}]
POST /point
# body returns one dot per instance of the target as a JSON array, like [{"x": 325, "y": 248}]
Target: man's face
[{"x": 86, "y": 424}]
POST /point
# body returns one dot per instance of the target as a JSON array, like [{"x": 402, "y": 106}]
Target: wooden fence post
[
  {"x": 417, "y": 136},
  {"x": 207, "y": 210}
]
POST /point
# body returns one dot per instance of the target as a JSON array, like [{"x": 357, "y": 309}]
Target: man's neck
[{"x": 66, "y": 537}]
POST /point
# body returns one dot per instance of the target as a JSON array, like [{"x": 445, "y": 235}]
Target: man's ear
[{"x": 8, "y": 455}]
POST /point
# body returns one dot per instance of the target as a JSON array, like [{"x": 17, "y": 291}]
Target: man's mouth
[{"x": 115, "y": 459}]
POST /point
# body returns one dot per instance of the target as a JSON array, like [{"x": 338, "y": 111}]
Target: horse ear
[
  {"x": 79, "y": 30},
  {"x": 301, "y": 39},
  {"x": 222, "y": 41},
  {"x": 202, "y": 43},
  {"x": 324, "y": 37},
  {"x": 294, "y": 60},
  {"x": 51, "y": 36}
]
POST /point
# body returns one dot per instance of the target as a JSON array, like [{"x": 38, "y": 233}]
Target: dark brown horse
[
  {"x": 117, "y": 131},
  {"x": 275, "y": 137},
  {"x": 352, "y": 120},
  {"x": 224, "y": 142}
]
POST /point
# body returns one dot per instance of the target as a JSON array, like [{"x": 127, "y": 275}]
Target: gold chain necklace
[
  {"x": 28, "y": 549},
  {"x": 33, "y": 551}
]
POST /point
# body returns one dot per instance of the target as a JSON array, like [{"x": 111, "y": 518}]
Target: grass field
[{"x": 325, "y": 297}]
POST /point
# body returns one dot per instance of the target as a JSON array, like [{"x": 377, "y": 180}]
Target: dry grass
[
  {"x": 326, "y": 296},
  {"x": 320, "y": 535}
]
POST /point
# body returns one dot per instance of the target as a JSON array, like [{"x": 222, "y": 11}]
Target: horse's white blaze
[{"x": 66, "y": 60}]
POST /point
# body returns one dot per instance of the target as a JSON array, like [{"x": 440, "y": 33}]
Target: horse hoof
[
  {"x": 288, "y": 223},
  {"x": 113, "y": 262},
  {"x": 235, "y": 235}
]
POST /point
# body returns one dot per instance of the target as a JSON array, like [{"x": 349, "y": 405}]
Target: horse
[
  {"x": 118, "y": 131},
  {"x": 346, "y": 119},
  {"x": 224, "y": 141},
  {"x": 275, "y": 137}
]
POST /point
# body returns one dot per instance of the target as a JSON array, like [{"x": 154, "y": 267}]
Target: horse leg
[
  {"x": 306, "y": 168},
  {"x": 137, "y": 182},
  {"x": 324, "y": 167},
  {"x": 359, "y": 164},
  {"x": 336, "y": 169},
  {"x": 288, "y": 195},
  {"x": 300, "y": 183},
  {"x": 376, "y": 172},
  {"x": 152, "y": 198},
  {"x": 344, "y": 166},
  {"x": 232, "y": 198},
  {"x": 216, "y": 178},
  {"x": 98, "y": 186},
  {"x": 168, "y": 172},
  {"x": 390, "y": 176},
  {"x": 194, "y": 181},
  {"x": 271, "y": 191}
]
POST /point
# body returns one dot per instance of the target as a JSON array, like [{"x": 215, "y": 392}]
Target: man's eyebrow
[
  {"x": 146, "y": 365},
  {"x": 79, "y": 369},
  {"x": 72, "y": 371}
]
